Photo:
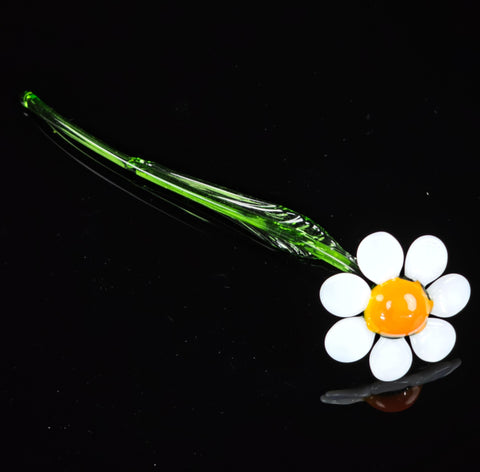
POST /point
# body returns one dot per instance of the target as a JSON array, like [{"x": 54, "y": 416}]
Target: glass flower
[{"x": 396, "y": 308}]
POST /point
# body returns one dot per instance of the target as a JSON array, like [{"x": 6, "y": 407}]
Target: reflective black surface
[{"x": 133, "y": 341}]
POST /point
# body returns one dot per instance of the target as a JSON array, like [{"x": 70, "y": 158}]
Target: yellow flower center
[{"x": 397, "y": 308}]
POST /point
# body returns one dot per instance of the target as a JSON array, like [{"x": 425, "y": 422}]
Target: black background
[{"x": 133, "y": 341}]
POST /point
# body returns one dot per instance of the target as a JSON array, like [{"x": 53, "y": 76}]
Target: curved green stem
[{"x": 282, "y": 228}]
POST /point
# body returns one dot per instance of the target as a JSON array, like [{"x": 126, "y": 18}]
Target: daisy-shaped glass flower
[{"x": 396, "y": 307}]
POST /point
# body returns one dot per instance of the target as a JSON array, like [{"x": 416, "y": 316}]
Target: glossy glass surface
[
  {"x": 398, "y": 307},
  {"x": 280, "y": 227}
]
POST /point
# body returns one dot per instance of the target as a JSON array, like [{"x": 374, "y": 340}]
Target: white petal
[
  {"x": 349, "y": 340},
  {"x": 345, "y": 295},
  {"x": 390, "y": 359},
  {"x": 450, "y": 294},
  {"x": 380, "y": 257},
  {"x": 435, "y": 341},
  {"x": 426, "y": 259}
]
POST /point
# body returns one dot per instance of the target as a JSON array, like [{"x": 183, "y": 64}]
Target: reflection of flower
[
  {"x": 396, "y": 307},
  {"x": 391, "y": 396}
]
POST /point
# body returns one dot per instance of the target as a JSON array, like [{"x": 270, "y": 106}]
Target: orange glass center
[{"x": 398, "y": 307}]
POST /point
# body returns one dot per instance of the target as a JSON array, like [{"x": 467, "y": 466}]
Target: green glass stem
[{"x": 280, "y": 227}]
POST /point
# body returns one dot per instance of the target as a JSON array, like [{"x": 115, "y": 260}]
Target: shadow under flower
[{"x": 392, "y": 396}]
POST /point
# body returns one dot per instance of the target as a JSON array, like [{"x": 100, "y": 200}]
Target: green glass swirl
[{"x": 276, "y": 225}]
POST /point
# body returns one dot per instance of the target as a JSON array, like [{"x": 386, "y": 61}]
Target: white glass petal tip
[
  {"x": 450, "y": 294},
  {"x": 345, "y": 295},
  {"x": 435, "y": 341},
  {"x": 349, "y": 340},
  {"x": 426, "y": 259},
  {"x": 380, "y": 257},
  {"x": 390, "y": 359}
]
